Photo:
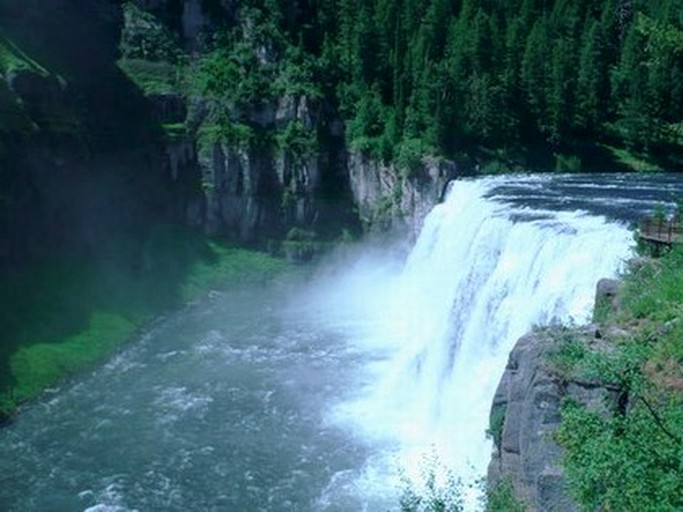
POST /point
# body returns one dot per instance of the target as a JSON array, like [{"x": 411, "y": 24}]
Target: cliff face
[
  {"x": 387, "y": 199},
  {"x": 250, "y": 187},
  {"x": 526, "y": 409},
  {"x": 253, "y": 189},
  {"x": 107, "y": 127},
  {"x": 283, "y": 162}
]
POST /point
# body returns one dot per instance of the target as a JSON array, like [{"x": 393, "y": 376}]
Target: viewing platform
[{"x": 661, "y": 232}]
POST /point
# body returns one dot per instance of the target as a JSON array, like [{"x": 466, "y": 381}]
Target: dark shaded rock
[{"x": 168, "y": 108}]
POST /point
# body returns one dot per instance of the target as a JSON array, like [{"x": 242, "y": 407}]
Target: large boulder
[{"x": 607, "y": 297}]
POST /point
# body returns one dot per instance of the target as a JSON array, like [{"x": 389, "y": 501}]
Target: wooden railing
[{"x": 661, "y": 230}]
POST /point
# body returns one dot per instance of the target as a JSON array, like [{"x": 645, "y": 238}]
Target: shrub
[
  {"x": 410, "y": 154},
  {"x": 631, "y": 457},
  {"x": 496, "y": 424},
  {"x": 501, "y": 498},
  {"x": 431, "y": 494}
]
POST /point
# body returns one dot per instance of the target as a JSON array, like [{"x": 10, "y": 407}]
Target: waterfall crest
[{"x": 481, "y": 274}]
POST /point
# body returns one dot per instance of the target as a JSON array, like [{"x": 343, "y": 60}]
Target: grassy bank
[
  {"x": 632, "y": 458},
  {"x": 63, "y": 316}
]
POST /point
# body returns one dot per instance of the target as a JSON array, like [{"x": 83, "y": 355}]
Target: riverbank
[
  {"x": 63, "y": 316},
  {"x": 590, "y": 417}
]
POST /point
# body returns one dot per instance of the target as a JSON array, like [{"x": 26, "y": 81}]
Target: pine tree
[
  {"x": 592, "y": 91},
  {"x": 629, "y": 92},
  {"x": 535, "y": 71}
]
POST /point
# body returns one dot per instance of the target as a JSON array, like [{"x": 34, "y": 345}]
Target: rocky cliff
[
  {"x": 387, "y": 199},
  {"x": 116, "y": 116},
  {"x": 253, "y": 183},
  {"x": 526, "y": 409},
  {"x": 272, "y": 151}
]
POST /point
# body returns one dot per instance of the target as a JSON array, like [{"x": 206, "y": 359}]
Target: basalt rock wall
[{"x": 526, "y": 409}]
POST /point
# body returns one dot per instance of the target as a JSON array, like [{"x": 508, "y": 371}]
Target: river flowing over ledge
[{"x": 331, "y": 393}]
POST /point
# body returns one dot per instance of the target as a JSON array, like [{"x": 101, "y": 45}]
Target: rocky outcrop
[
  {"x": 233, "y": 180},
  {"x": 526, "y": 412},
  {"x": 255, "y": 189},
  {"x": 264, "y": 166},
  {"x": 192, "y": 19},
  {"x": 606, "y": 298},
  {"x": 388, "y": 199},
  {"x": 292, "y": 168}
]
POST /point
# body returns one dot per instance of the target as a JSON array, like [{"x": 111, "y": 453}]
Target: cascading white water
[
  {"x": 317, "y": 392},
  {"x": 481, "y": 274}
]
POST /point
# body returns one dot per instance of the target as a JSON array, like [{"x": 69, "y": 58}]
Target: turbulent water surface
[{"x": 329, "y": 394}]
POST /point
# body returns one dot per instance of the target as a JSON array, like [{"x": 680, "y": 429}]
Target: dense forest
[{"x": 600, "y": 80}]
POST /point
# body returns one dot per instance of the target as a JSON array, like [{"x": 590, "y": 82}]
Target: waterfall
[
  {"x": 334, "y": 389},
  {"x": 481, "y": 274}
]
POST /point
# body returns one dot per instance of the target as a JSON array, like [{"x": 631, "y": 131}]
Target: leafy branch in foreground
[{"x": 624, "y": 462}]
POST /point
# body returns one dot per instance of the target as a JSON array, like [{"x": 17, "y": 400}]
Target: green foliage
[
  {"x": 628, "y": 454},
  {"x": 602, "y": 310},
  {"x": 410, "y": 154},
  {"x": 29, "y": 114},
  {"x": 435, "y": 77},
  {"x": 39, "y": 366},
  {"x": 632, "y": 159},
  {"x": 232, "y": 76},
  {"x": 496, "y": 424},
  {"x": 568, "y": 356},
  {"x": 174, "y": 131},
  {"x": 653, "y": 295},
  {"x": 592, "y": 81},
  {"x": 366, "y": 127},
  {"x": 654, "y": 291},
  {"x": 501, "y": 498},
  {"x": 439, "y": 490},
  {"x": 229, "y": 266},
  {"x": 62, "y": 317},
  {"x": 230, "y": 132},
  {"x": 145, "y": 37},
  {"x": 388, "y": 205},
  {"x": 13, "y": 58},
  {"x": 191, "y": 263},
  {"x": 8, "y": 405},
  {"x": 624, "y": 462},
  {"x": 299, "y": 142},
  {"x": 153, "y": 77},
  {"x": 567, "y": 163},
  {"x": 244, "y": 70},
  {"x": 298, "y": 75},
  {"x": 495, "y": 72}
]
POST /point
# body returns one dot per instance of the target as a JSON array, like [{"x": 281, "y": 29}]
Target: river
[{"x": 332, "y": 392}]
